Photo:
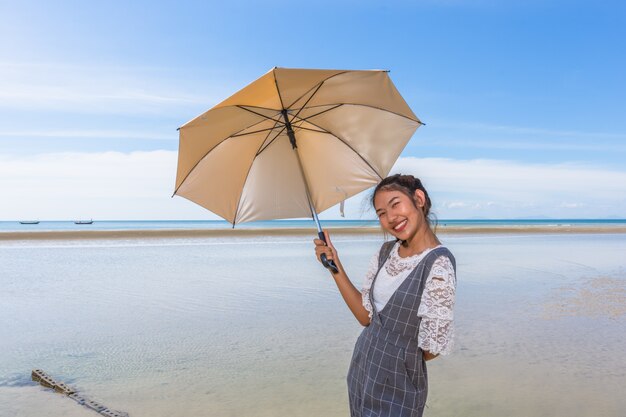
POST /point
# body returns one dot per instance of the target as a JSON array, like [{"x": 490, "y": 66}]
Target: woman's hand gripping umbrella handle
[
  {"x": 328, "y": 263},
  {"x": 352, "y": 296}
]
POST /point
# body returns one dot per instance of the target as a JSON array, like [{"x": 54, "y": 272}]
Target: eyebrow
[{"x": 388, "y": 202}]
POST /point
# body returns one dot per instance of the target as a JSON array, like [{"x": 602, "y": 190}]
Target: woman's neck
[{"x": 422, "y": 240}]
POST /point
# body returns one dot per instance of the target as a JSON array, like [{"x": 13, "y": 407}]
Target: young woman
[{"x": 406, "y": 305}]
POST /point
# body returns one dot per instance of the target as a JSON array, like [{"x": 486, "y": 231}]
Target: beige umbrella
[{"x": 293, "y": 143}]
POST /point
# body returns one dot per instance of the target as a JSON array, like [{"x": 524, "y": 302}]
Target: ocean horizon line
[
  {"x": 473, "y": 219},
  {"x": 13, "y": 230}
]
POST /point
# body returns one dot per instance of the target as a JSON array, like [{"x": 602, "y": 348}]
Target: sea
[
  {"x": 16, "y": 226},
  {"x": 255, "y": 327}
]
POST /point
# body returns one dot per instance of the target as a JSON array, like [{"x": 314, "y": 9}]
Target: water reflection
[{"x": 255, "y": 327}]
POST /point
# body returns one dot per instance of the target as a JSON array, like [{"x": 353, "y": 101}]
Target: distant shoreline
[{"x": 208, "y": 233}]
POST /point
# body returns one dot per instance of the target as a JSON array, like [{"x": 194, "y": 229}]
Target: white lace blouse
[{"x": 436, "y": 331}]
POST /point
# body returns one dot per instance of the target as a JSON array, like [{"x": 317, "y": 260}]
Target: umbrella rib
[
  {"x": 318, "y": 87},
  {"x": 306, "y": 119},
  {"x": 301, "y": 120},
  {"x": 270, "y": 142},
  {"x": 280, "y": 97},
  {"x": 270, "y": 132},
  {"x": 307, "y": 101},
  {"x": 317, "y": 114},
  {"x": 385, "y": 110},
  {"x": 326, "y": 105},
  {"x": 351, "y": 148},
  {"x": 312, "y": 130},
  {"x": 236, "y": 135},
  {"x": 250, "y": 168},
  {"x": 221, "y": 141},
  {"x": 245, "y": 106},
  {"x": 257, "y": 113},
  {"x": 363, "y": 105},
  {"x": 298, "y": 125},
  {"x": 312, "y": 95}
]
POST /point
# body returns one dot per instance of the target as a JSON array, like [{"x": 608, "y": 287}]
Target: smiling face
[{"x": 400, "y": 215}]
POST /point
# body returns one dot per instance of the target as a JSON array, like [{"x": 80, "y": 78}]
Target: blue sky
[{"x": 524, "y": 102}]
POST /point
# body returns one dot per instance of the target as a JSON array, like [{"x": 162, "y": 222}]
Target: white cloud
[
  {"x": 495, "y": 188},
  {"x": 138, "y": 185},
  {"x": 490, "y": 136},
  {"x": 82, "y": 133},
  {"x": 85, "y": 89},
  {"x": 512, "y": 178},
  {"x": 455, "y": 204},
  {"x": 571, "y": 205},
  {"x": 109, "y": 185},
  {"x": 532, "y": 131},
  {"x": 572, "y": 145}
]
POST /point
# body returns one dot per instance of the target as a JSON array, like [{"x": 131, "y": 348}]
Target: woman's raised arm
[{"x": 351, "y": 295}]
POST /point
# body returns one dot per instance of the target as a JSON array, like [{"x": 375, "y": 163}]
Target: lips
[{"x": 400, "y": 226}]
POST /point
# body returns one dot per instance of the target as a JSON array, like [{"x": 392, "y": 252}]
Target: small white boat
[
  {"x": 83, "y": 221},
  {"x": 29, "y": 221}
]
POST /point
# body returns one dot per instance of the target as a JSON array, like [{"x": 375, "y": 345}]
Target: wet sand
[
  {"x": 242, "y": 232},
  {"x": 599, "y": 296},
  {"x": 253, "y": 326}
]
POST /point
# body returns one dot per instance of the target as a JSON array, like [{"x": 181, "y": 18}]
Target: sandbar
[{"x": 243, "y": 232}]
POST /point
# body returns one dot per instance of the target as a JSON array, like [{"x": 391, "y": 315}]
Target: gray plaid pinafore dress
[{"x": 387, "y": 376}]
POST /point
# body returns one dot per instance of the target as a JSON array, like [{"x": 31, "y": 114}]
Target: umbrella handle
[{"x": 330, "y": 265}]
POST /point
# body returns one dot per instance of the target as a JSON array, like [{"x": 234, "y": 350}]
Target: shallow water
[
  {"x": 47, "y": 225},
  {"x": 254, "y": 326}
]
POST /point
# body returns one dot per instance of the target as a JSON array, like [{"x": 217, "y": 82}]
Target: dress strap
[
  {"x": 385, "y": 251},
  {"x": 423, "y": 268}
]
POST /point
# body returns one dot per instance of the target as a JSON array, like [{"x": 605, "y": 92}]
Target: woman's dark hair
[{"x": 406, "y": 184}]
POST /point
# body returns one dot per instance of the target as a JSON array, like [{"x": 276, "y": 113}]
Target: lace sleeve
[
  {"x": 367, "y": 283},
  {"x": 436, "y": 331}
]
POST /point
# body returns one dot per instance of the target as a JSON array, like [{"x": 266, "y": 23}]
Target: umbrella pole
[
  {"x": 316, "y": 220},
  {"x": 330, "y": 265}
]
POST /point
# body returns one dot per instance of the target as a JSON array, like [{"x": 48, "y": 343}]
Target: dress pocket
[{"x": 415, "y": 368}]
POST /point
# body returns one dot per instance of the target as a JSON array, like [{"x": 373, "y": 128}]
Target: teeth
[{"x": 400, "y": 225}]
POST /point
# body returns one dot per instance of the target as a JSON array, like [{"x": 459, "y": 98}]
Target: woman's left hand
[
  {"x": 429, "y": 356},
  {"x": 326, "y": 248}
]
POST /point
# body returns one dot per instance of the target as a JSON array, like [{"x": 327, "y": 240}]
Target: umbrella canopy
[{"x": 293, "y": 143}]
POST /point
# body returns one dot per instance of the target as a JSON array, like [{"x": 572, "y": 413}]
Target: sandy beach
[{"x": 242, "y": 232}]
